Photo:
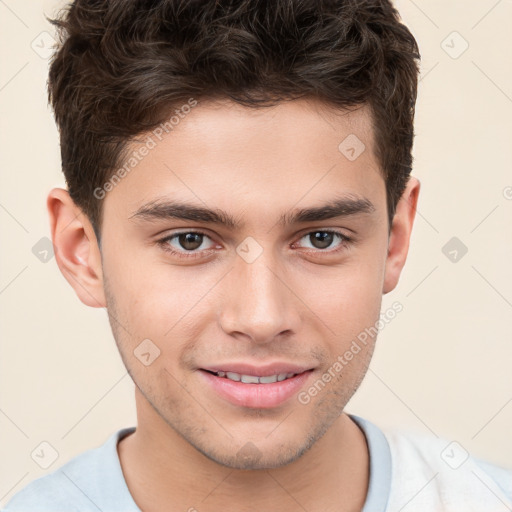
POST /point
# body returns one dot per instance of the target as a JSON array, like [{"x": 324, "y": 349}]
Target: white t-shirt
[{"x": 408, "y": 472}]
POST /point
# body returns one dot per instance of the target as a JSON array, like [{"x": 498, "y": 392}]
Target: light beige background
[{"x": 443, "y": 366}]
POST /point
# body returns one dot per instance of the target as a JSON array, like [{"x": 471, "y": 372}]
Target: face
[{"x": 281, "y": 280}]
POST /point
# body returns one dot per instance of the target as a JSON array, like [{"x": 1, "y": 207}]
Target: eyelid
[
  {"x": 346, "y": 243},
  {"x": 337, "y": 230},
  {"x": 165, "y": 239}
]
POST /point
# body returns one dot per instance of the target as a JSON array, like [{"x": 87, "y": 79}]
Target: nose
[{"x": 257, "y": 302}]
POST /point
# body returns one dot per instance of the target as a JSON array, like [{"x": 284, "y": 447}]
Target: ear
[
  {"x": 76, "y": 248},
  {"x": 401, "y": 228}
]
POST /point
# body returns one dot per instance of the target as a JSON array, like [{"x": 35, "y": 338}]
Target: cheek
[
  {"x": 162, "y": 303},
  {"x": 161, "y": 300},
  {"x": 349, "y": 296},
  {"x": 147, "y": 287}
]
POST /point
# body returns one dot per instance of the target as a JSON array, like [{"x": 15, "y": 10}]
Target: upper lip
[{"x": 275, "y": 368}]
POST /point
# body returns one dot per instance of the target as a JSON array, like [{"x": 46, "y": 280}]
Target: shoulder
[
  {"x": 78, "y": 485},
  {"x": 432, "y": 473},
  {"x": 56, "y": 489},
  {"x": 46, "y": 493}
]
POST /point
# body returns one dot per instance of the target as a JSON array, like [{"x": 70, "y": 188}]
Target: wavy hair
[{"x": 122, "y": 65}]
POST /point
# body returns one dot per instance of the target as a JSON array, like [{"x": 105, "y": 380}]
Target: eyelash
[{"x": 163, "y": 243}]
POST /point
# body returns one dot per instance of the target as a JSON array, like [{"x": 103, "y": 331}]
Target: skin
[{"x": 296, "y": 302}]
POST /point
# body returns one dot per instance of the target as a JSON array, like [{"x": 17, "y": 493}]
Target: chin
[{"x": 256, "y": 456}]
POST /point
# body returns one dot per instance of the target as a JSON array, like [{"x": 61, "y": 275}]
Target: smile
[
  {"x": 255, "y": 391},
  {"x": 253, "y": 379}
]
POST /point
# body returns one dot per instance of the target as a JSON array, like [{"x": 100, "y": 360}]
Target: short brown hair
[{"x": 123, "y": 65}]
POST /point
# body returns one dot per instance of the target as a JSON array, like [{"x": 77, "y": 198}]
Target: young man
[{"x": 239, "y": 199}]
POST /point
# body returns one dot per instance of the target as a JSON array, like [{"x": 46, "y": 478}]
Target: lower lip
[{"x": 256, "y": 395}]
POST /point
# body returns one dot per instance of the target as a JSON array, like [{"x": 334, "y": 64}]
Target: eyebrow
[{"x": 344, "y": 206}]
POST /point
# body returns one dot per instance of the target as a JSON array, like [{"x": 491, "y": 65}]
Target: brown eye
[
  {"x": 190, "y": 241},
  {"x": 321, "y": 239},
  {"x": 324, "y": 239},
  {"x": 186, "y": 244}
]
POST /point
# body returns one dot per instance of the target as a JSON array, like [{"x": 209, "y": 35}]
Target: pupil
[
  {"x": 325, "y": 239},
  {"x": 187, "y": 240}
]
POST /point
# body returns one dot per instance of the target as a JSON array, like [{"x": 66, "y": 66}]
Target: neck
[{"x": 162, "y": 468}]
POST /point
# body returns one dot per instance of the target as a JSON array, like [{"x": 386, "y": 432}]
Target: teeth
[
  {"x": 268, "y": 380},
  {"x": 253, "y": 379},
  {"x": 250, "y": 379}
]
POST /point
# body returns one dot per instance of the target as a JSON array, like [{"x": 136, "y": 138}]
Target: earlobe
[
  {"x": 401, "y": 234},
  {"x": 76, "y": 248}
]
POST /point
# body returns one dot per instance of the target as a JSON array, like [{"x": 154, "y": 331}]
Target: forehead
[
  {"x": 257, "y": 160},
  {"x": 301, "y": 126}
]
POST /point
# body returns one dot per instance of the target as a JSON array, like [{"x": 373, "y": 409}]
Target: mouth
[
  {"x": 254, "y": 379},
  {"x": 255, "y": 391}
]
